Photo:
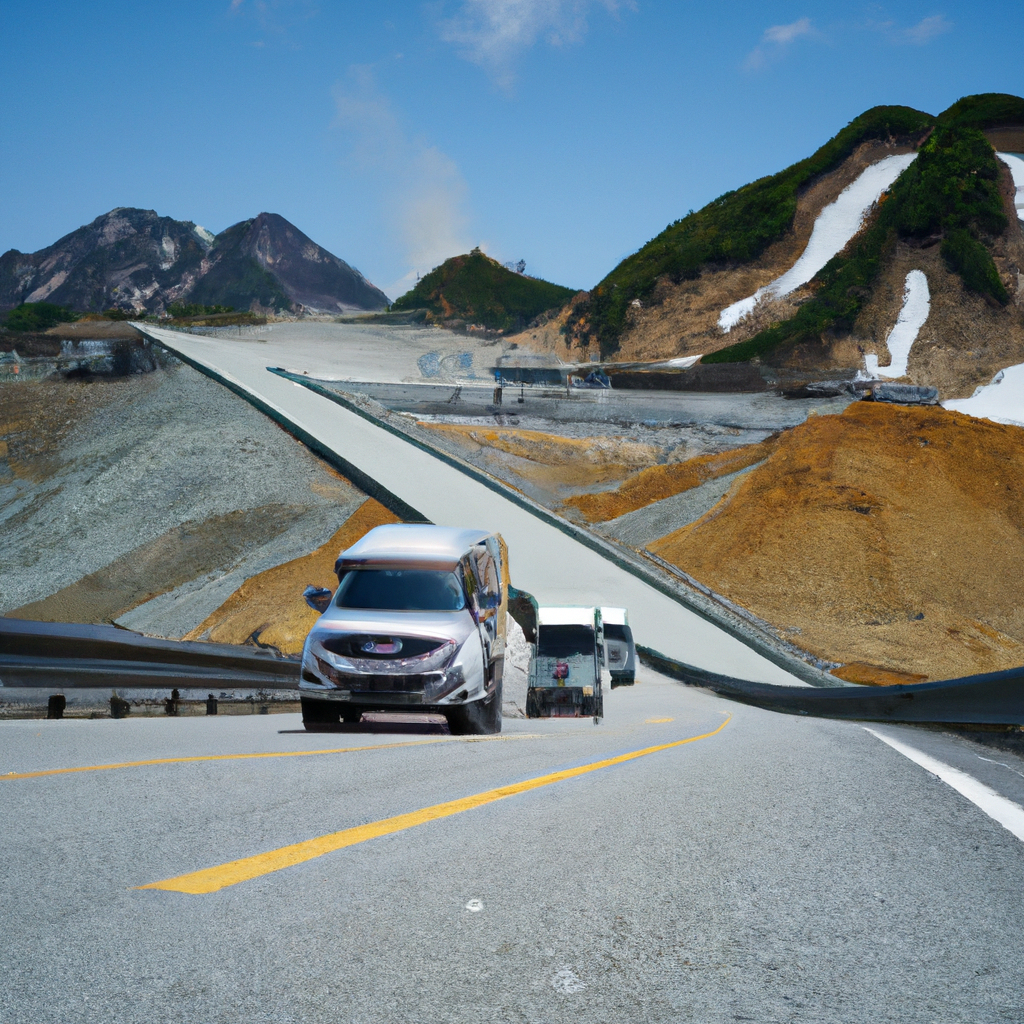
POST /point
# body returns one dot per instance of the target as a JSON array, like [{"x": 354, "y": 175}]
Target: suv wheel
[
  {"x": 319, "y": 715},
  {"x": 480, "y": 718}
]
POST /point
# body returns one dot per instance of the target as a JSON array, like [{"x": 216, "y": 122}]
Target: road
[
  {"x": 777, "y": 869},
  {"x": 544, "y": 561}
]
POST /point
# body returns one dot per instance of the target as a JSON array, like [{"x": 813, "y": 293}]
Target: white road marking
[
  {"x": 1006, "y": 812},
  {"x": 475, "y": 906}
]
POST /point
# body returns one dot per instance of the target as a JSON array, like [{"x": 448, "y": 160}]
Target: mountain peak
[{"x": 135, "y": 259}]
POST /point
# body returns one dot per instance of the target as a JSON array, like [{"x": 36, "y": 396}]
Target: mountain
[
  {"x": 478, "y": 290},
  {"x": 724, "y": 282},
  {"x": 136, "y": 259}
]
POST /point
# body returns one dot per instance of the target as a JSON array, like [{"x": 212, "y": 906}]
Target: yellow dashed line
[
  {"x": 243, "y": 757},
  {"x": 212, "y": 879},
  {"x": 658, "y": 721}
]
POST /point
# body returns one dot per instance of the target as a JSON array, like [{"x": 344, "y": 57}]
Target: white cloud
[
  {"x": 920, "y": 34},
  {"x": 275, "y": 18},
  {"x": 492, "y": 33},
  {"x": 927, "y": 29},
  {"x": 421, "y": 189},
  {"x": 783, "y": 34},
  {"x": 775, "y": 40}
]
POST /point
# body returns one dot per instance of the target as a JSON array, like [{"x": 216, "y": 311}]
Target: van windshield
[
  {"x": 564, "y": 641},
  {"x": 406, "y": 590},
  {"x": 613, "y": 631}
]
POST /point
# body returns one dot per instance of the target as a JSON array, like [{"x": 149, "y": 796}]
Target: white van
[
  {"x": 416, "y": 624},
  {"x": 565, "y": 671}
]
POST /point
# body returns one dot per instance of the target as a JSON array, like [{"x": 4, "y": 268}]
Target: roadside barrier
[
  {"x": 58, "y": 655},
  {"x": 62, "y": 655},
  {"x": 994, "y": 698}
]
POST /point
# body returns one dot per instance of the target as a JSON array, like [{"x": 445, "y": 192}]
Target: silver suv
[{"x": 417, "y": 624}]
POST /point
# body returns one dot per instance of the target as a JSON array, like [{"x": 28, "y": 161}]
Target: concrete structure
[{"x": 552, "y": 566}]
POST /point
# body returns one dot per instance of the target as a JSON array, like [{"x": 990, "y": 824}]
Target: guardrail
[
  {"x": 68, "y": 655},
  {"x": 995, "y": 698}
]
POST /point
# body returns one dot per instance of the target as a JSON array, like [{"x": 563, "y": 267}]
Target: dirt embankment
[
  {"x": 548, "y": 461},
  {"x": 548, "y": 337},
  {"x": 93, "y": 328},
  {"x": 268, "y": 608},
  {"x": 657, "y": 482},
  {"x": 148, "y": 500},
  {"x": 888, "y": 538}
]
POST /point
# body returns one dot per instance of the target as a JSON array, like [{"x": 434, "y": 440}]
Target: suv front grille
[
  {"x": 362, "y": 646},
  {"x": 417, "y": 682}
]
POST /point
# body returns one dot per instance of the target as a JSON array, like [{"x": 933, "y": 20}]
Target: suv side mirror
[{"x": 318, "y": 598}]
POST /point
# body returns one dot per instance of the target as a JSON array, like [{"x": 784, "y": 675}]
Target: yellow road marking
[
  {"x": 211, "y": 879},
  {"x": 657, "y": 721},
  {"x": 243, "y": 757}
]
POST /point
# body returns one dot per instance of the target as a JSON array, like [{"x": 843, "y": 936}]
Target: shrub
[
  {"x": 966, "y": 256},
  {"x": 986, "y": 110},
  {"x": 116, "y": 313},
  {"x": 187, "y": 309},
  {"x": 480, "y": 290},
  {"x": 38, "y": 316}
]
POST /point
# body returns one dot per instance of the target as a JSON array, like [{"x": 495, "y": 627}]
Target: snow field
[
  {"x": 1002, "y": 401},
  {"x": 916, "y": 307},
  {"x": 1016, "y": 165},
  {"x": 834, "y": 227}
]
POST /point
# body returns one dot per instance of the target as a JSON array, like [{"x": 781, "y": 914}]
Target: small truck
[
  {"x": 565, "y": 671},
  {"x": 619, "y": 650}
]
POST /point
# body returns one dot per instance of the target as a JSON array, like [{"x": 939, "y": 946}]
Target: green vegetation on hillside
[
  {"x": 38, "y": 316},
  {"x": 949, "y": 190},
  {"x": 235, "y": 282},
  {"x": 987, "y": 110},
  {"x": 480, "y": 290},
  {"x": 735, "y": 228},
  {"x": 184, "y": 309},
  {"x": 117, "y": 313}
]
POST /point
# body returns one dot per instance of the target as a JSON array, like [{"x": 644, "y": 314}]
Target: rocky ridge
[{"x": 135, "y": 259}]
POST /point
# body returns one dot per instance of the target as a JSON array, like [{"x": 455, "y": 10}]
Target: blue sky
[{"x": 563, "y": 132}]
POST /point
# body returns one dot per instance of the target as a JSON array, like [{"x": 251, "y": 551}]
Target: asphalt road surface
[{"x": 770, "y": 869}]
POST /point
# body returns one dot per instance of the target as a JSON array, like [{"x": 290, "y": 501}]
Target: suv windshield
[
  {"x": 407, "y": 590},
  {"x": 565, "y": 641}
]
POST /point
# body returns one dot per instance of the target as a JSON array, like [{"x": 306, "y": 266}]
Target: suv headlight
[{"x": 466, "y": 670}]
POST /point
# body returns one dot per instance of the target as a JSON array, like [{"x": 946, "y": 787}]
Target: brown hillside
[
  {"x": 548, "y": 460},
  {"x": 888, "y": 536},
  {"x": 657, "y": 482},
  {"x": 269, "y": 606},
  {"x": 965, "y": 341},
  {"x": 548, "y": 337}
]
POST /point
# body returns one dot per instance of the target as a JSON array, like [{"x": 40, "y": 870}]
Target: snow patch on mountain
[
  {"x": 1002, "y": 401},
  {"x": 834, "y": 227},
  {"x": 917, "y": 304},
  {"x": 1016, "y": 164}
]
